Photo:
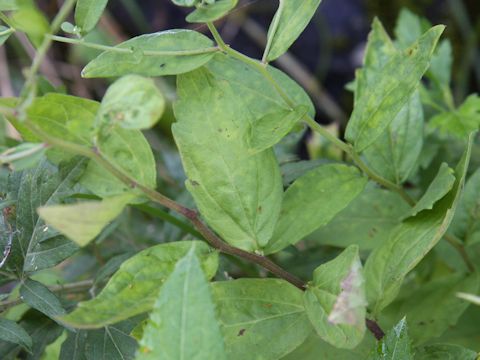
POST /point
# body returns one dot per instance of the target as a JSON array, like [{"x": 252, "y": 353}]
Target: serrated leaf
[
  {"x": 445, "y": 352},
  {"x": 395, "y": 82},
  {"x": 112, "y": 342},
  {"x": 438, "y": 188},
  {"x": 82, "y": 222},
  {"x": 211, "y": 12},
  {"x": 157, "y": 54},
  {"x": 130, "y": 152},
  {"x": 183, "y": 324},
  {"x": 288, "y": 23},
  {"x": 385, "y": 269},
  {"x": 434, "y": 307},
  {"x": 366, "y": 221},
  {"x": 39, "y": 297},
  {"x": 265, "y": 317},
  {"x": 335, "y": 301},
  {"x": 313, "y": 200},
  {"x": 238, "y": 194},
  {"x": 395, "y": 152},
  {"x": 270, "y": 129},
  {"x": 35, "y": 245},
  {"x": 395, "y": 345},
  {"x": 12, "y": 332},
  {"x": 88, "y": 13},
  {"x": 131, "y": 102},
  {"x": 132, "y": 290}
]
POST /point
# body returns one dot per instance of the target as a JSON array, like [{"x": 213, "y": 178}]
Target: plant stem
[
  {"x": 163, "y": 200},
  {"x": 348, "y": 149},
  {"x": 375, "y": 329},
  {"x": 458, "y": 245},
  {"x": 126, "y": 50},
  {"x": 68, "y": 288}
]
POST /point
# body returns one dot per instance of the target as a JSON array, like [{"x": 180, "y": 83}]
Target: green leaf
[
  {"x": 395, "y": 345},
  {"x": 409, "y": 242},
  {"x": 460, "y": 122},
  {"x": 434, "y": 307},
  {"x": 395, "y": 152},
  {"x": 183, "y": 324},
  {"x": 238, "y": 194},
  {"x": 131, "y": 102},
  {"x": 39, "y": 297},
  {"x": 313, "y": 200},
  {"x": 130, "y": 152},
  {"x": 438, "y": 188},
  {"x": 211, "y": 12},
  {"x": 168, "y": 52},
  {"x": 134, "y": 287},
  {"x": 112, "y": 342},
  {"x": 8, "y": 5},
  {"x": 288, "y": 23},
  {"x": 12, "y": 332},
  {"x": 35, "y": 245},
  {"x": 82, "y": 222},
  {"x": 409, "y": 27},
  {"x": 367, "y": 221},
  {"x": 23, "y": 156},
  {"x": 445, "y": 352},
  {"x": 270, "y": 129},
  {"x": 395, "y": 82},
  {"x": 441, "y": 64},
  {"x": 474, "y": 299},
  {"x": 335, "y": 300},
  {"x": 187, "y": 3},
  {"x": 264, "y": 317},
  {"x": 88, "y": 13},
  {"x": 32, "y": 22},
  {"x": 5, "y": 33}
]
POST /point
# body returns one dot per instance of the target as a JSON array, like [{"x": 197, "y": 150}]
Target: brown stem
[{"x": 375, "y": 329}]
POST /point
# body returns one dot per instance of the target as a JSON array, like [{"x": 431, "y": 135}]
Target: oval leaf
[
  {"x": 88, "y": 12},
  {"x": 210, "y": 12},
  {"x": 12, "y": 332},
  {"x": 39, "y": 297}
]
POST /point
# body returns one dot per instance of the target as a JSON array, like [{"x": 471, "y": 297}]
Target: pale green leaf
[
  {"x": 183, "y": 324},
  {"x": 39, "y": 297},
  {"x": 82, "y": 222},
  {"x": 409, "y": 27},
  {"x": 88, "y": 13},
  {"x": 385, "y": 269},
  {"x": 270, "y": 129},
  {"x": 131, "y": 102},
  {"x": 23, "y": 156},
  {"x": 395, "y": 82},
  {"x": 395, "y": 152},
  {"x": 396, "y": 344},
  {"x": 438, "y": 188},
  {"x": 164, "y": 53},
  {"x": 238, "y": 194},
  {"x": 366, "y": 221},
  {"x": 130, "y": 152},
  {"x": 262, "y": 317},
  {"x": 441, "y": 64},
  {"x": 8, "y": 5},
  {"x": 445, "y": 352},
  {"x": 187, "y": 3},
  {"x": 335, "y": 300},
  {"x": 132, "y": 290},
  {"x": 313, "y": 200},
  {"x": 474, "y": 299},
  {"x": 31, "y": 21},
  {"x": 211, "y": 12},
  {"x": 12, "y": 332},
  {"x": 434, "y": 307},
  {"x": 288, "y": 23}
]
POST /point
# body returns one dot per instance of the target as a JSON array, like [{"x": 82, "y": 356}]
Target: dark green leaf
[
  {"x": 395, "y": 83},
  {"x": 396, "y": 345},
  {"x": 183, "y": 324},
  {"x": 39, "y": 297},
  {"x": 211, "y": 12},
  {"x": 12, "y": 332},
  {"x": 164, "y": 53},
  {"x": 313, "y": 200},
  {"x": 445, "y": 352},
  {"x": 134, "y": 287},
  {"x": 385, "y": 269},
  {"x": 5, "y": 33},
  {"x": 335, "y": 300},
  {"x": 265, "y": 317},
  {"x": 88, "y": 12},
  {"x": 289, "y": 22},
  {"x": 131, "y": 102}
]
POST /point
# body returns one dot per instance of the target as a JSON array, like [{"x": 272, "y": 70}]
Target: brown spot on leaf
[
  {"x": 194, "y": 183},
  {"x": 241, "y": 332}
]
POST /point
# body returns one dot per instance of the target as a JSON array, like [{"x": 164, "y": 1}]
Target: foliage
[{"x": 107, "y": 251}]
